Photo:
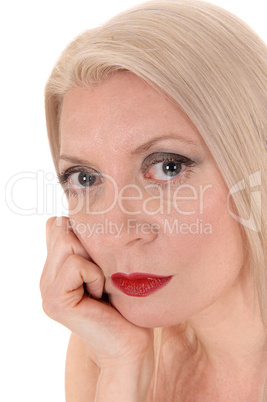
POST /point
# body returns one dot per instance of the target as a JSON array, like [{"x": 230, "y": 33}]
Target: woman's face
[{"x": 146, "y": 196}]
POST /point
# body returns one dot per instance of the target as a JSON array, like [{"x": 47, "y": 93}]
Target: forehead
[{"x": 121, "y": 112}]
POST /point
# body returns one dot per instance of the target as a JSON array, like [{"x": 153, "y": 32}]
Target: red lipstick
[{"x": 139, "y": 285}]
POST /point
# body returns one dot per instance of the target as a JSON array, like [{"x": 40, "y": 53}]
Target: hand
[{"x": 68, "y": 278}]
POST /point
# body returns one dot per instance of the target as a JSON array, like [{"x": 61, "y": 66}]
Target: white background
[{"x": 33, "y": 33}]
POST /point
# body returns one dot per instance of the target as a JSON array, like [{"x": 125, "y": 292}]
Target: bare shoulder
[{"x": 81, "y": 374}]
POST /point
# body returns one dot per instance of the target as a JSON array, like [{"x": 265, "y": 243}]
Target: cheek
[
  {"x": 205, "y": 250},
  {"x": 212, "y": 235}
]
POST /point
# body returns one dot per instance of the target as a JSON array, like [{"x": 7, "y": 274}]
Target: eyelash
[
  {"x": 150, "y": 161},
  {"x": 64, "y": 177},
  {"x": 155, "y": 158}
]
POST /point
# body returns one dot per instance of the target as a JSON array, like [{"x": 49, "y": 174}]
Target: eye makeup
[
  {"x": 160, "y": 168},
  {"x": 77, "y": 179},
  {"x": 165, "y": 166}
]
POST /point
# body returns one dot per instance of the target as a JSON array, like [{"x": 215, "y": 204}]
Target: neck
[
  {"x": 232, "y": 327},
  {"x": 222, "y": 350},
  {"x": 231, "y": 337}
]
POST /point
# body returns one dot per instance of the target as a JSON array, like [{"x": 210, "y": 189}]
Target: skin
[{"x": 210, "y": 316}]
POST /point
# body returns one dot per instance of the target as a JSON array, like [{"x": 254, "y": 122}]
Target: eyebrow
[
  {"x": 144, "y": 147},
  {"x": 139, "y": 150},
  {"x": 76, "y": 161}
]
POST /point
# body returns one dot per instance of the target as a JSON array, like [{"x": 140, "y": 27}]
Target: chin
[
  {"x": 143, "y": 314},
  {"x": 145, "y": 322}
]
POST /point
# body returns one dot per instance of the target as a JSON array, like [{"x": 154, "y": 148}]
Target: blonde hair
[{"x": 209, "y": 62}]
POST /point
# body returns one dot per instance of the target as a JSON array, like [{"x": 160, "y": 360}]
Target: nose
[{"x": 123, "y": 221}]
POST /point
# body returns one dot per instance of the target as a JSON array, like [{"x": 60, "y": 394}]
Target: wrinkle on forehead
[{"x": 123, "y": 112}]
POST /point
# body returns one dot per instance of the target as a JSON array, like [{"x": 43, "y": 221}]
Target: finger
[
  {"x": 55, "y": 226},
  {"x": 49, "y": 225},
  {"x": 61, "y": 243},
  {"x": 68, "y": 291},
  {"x": 86, "y": 273},
  {"x": 61, "y": 234}
]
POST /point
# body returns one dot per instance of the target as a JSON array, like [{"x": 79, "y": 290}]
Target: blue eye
[
  {"x": 163, "y": 166},
  {"x": 83, "y": 179},
  {"x": 78, "y": 180},
  {"x": 165, "y": 170}
]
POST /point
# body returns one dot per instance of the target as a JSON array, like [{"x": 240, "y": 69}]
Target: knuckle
[
  {"x": 48, "y": 307},
  {"x": 60, "y": 223},
  {"x": 50, "y": 223},
  {"x": 76, "y": 261},
  {"x": 59, "y": 241},
  {"x": 61, "y": 238},
  {"x": 63, "y": 223},
  {"x": 51, "y": 308},
  {"x": 70, "y": 263},
  {"x": 73, "y": 266}
]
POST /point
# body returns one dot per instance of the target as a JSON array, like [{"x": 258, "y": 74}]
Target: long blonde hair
[{"x": 214, "y": 66}]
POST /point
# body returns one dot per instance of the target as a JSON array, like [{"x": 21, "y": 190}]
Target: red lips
[{"x": 139, "y": 285}]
